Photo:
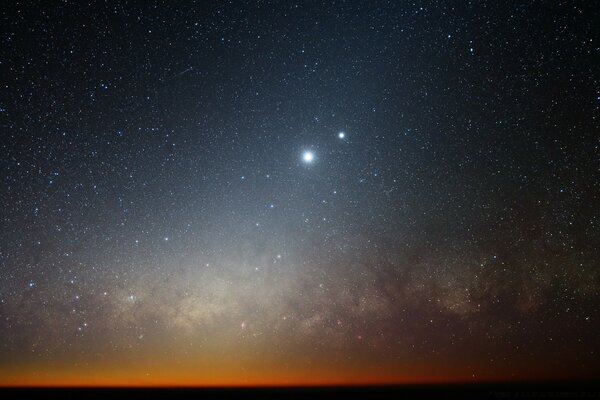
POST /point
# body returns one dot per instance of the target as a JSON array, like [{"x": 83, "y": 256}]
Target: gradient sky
[{"x": 283, "y": 192}]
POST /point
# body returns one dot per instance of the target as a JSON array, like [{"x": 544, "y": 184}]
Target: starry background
[{"x": 161, "y": 224}]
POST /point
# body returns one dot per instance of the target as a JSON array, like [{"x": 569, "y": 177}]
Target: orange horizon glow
[
  {"x": 188, "y": 379},
  {"x": 68, "y": 380}
]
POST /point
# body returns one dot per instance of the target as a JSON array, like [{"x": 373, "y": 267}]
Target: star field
[{"x": 251, "y": 192}]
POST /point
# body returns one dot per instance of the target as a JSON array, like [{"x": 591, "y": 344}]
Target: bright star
[
  {"x": 308, "y": 156},
  {"x": 341, "y": 135}
]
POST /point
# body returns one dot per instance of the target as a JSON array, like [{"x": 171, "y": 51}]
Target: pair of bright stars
[{"x": 309, "y": 156}]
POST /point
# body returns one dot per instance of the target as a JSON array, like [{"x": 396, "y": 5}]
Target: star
[
  {"x": 341, "y": 135},
  {"x": 308, "y": 157}
]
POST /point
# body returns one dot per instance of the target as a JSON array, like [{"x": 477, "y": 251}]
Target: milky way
[{"x": 279, "y": 192}]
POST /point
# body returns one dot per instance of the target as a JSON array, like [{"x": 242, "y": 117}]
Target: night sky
[{"x": 298, "y": 192}]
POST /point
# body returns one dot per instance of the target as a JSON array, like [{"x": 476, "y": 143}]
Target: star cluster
[{"x": 298, "y": 192}]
